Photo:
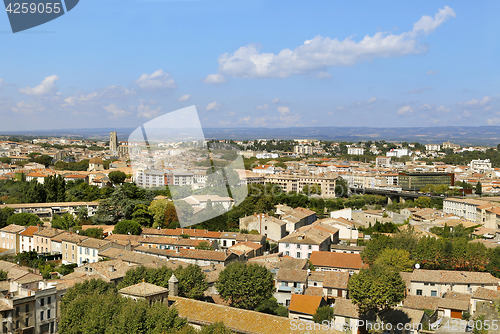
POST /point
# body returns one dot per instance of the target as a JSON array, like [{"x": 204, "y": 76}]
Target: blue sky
[{"x": 121, "y": 63}]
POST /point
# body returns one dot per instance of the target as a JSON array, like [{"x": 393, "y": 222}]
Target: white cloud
[
  {"x": 319, "y": 53},
  {"x": 144, "y": 110},
  {"x": 493, "y": 121},
  {"x": 213, "y": 106},
  {"x": 46, "y": 87},
  {"x": 283, "y": 110},
  {"x": 111, "y": 92},
  {"x": 214, "y": 79},
  {"x": 158, "y": 80},
  {"x": 184, "y": 98},
  {"x": 231, "y": 113},
  {"x": 290, "y": 120},
  {"x": 405, "y": 110},
  {"x": 430, "y": 72},
  {"x": 419, "y": 90},
  {"x": 276, "y": 100},
  {"x": 263, "y": 107},
  {"x": 442, "y": 109},
  {"x": 115, "y": 110},
  {"x": 323, "y": 75},
  {"x": 427, "y": 24},
  {"x": 28, "y": 107},
  {"x": 340, "y": 108},
  {"x": 425, "y": 107},
  {"x": 476, "y": 102}
]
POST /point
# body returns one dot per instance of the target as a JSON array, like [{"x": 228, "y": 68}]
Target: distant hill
[{"x": 463, "y": 135}]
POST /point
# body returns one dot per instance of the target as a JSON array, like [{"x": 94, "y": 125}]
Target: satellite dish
[{"x": 417, "y": 266}]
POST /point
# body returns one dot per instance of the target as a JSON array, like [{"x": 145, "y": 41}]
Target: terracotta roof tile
[{"x": 305, "y": 304}]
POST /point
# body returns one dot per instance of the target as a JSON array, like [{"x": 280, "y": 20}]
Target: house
[
  {"x": 332, "y": 284},
  {"x": 347, "y": 249},
  {"x": 200, "y": 201},
  {"x": 145, "y": 291},
  {"x": 346, "y": 316},
  {"x": 240, "y": 321},
  {"x": 288, "y": 283},
  {"x": 42, "y": 239},
  {"x": 69, "y": 247},
  {"x": 10, "y": 237},
  {"x": 131, "y": 258},
  {"x": 88, "y": 249},
  {"x": 173, "y": 243},
  {"x": 435, "y": 283},
  {"x": 192, "y": 256},
  {"x": 446, "y": 307},
  {"x": 329, "y": 261},
  {"x": 56, "y": 242},
  {"x": 483, "y": 295},
  {"x": 348, "y": 230},
  {"x": 272, "y": 227},
  {"x": 303, "y": 307},
  {"x": 26, "y": 238},
  {"x": 263, "y": 169},
  {"x": 48, "y": 210},
  {"x": 111, "y": 271},
  {"x": 303, "y": 243},
  {"x": 249, "y": 248}
]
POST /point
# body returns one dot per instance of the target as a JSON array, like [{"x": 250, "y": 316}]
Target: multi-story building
[
  {"x": 355, "y": 151},
  {"x": 88, "y": 249},
  {"x": 435, "y": 283},
  {"x": 42, "y": 239},
  {"x": 69, "y": 247},
  {"x": 10, "y": 237},
  {"x": 432, "y": 147},
  {"x": 295, "y": 183},
  {"x": 150, "y": 178},
  {"x": 48, "y": 210},
  {"x": 382, "y": 162},
  {"x": 273, "y": 228},
  {"x": 26, "y": 238},
  {"x": 332, "y": 261},
  {"x": 462, "y": 207},
  {"x": 481, "y": 166},
  {"x": 303, "y": 243},
  {"x": 417, "y": 181},
  {"x": 398, "y": 152}
]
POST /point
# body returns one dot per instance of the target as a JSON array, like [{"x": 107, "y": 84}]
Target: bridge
[{"x": 399, "y": 196}]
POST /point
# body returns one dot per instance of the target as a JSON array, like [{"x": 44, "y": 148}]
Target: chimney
[
  {"x": 111, "y": 268},
  {"x": 173, "y": 285}
]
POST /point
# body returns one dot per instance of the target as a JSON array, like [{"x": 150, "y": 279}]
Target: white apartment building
[
  {"x": 355, "y": 151},
  {"x": 301, "y": 149},
  {"x": 432, "y": 147},
  {"x": 150, "y": 178},
  {"x": 480, "y": 166},
  {"x": 9, "y": 237},
  {"x": 465, "y": 208},
  {"x": 183, "y": 179},
  {"x": 398, "y": 152}
]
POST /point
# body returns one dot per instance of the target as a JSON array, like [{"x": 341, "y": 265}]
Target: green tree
[
  {"x": 5, "y": 213},
  {"x": 141, "y": 215},
  {"x": 245, "y": 285},
  {"x": 3, "y": 275},
  {"x": 376, "y": 289},
  {"x": 323, "y": 313},
  {"x": 479, "y": 188},
  {"x": 24, "y": 219},
  {"x": 117, "y": 177},
  {"x": 158, "y": 209},
  {"x": 204, "y": 245},
  {"x": 395, "y": 259},
  {"x": 192, "y": 281},
  {"x": 64, "y": 222},
  {"x": 126, "y": 227}
]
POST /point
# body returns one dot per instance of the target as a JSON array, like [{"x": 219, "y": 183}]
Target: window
[
  {"x": 66, "y": 254},
  {"x": 80, "y": 250},
  {"x": 48, "y": 314},
  {"x": 310, "y": 247},
  {"x": 27, "y": 322},
  {"x": 42, "y": 301},
  {"x": 27, "y": 308},
  {"x": 17, "y": 324},
  {"x": 434, "y": 293},
  {"x": 72, "y": 247},
  {"x": 49, "y": 299},
  {"x": 287, "y": 245},
  {"x": 287, "y": 253},
  {"x": 72, "y": 256},
  {"x": 41, "y": 315},
  {"x": 66, "y": 246},
  {"x": 298, "y": 255},
  {"x": 17, "y": 311},
  {"x": 419, "y": 292},
  {"x": 93, "y": 252},
  {"x": 315, "y": 283},
  {"x": 308, "y": 255}
]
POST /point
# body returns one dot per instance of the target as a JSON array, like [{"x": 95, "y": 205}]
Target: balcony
[{"x": 290, "y": 289}]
